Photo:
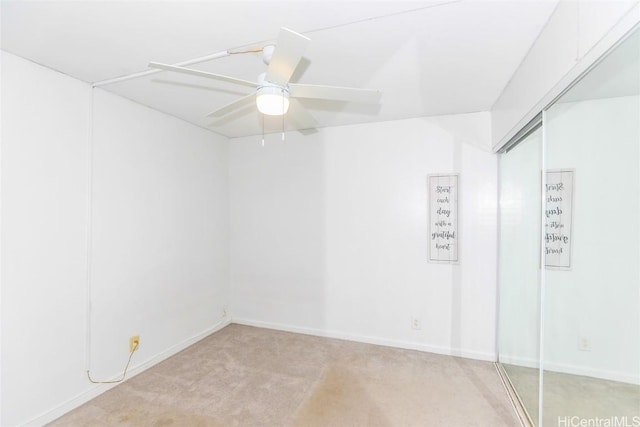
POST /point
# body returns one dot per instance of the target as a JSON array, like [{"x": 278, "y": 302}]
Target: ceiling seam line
[
  {"x": 524, "y": 58},
  {"x": 373, "y": 18},
  {"x": 143, "y": 73}
]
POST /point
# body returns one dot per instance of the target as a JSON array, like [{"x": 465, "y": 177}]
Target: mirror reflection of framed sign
[
  {"x": 558, "y": 219},
  {"x": 443, "y": 218}
]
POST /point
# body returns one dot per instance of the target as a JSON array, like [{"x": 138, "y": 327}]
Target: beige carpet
[{"x": 244, "y": 376}]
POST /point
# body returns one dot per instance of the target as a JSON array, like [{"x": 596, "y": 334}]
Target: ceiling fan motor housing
[{"x": 271, "y": 99}]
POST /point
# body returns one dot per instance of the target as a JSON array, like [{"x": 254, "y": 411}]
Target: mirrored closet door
[
  {"x": 519, "y": 272},
  {"x": 569, "y": 337}
]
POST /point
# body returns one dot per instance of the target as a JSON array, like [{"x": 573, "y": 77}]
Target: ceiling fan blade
[
  {"x": 199, "y": 73},
  {"x": 299, "y": 116},
  {"x": 289, "y": 49},
  {"x": 335, "y": 93},
  {"x": 232, "y": 106}
]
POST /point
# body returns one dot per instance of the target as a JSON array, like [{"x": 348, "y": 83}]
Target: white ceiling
[{"x": 426, "y": 57}]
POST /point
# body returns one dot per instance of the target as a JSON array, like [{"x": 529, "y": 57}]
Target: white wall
[
  {"x": 44, "y": 169},
  {"x": 159, "y": 243},
  {"x": 598, "y": 298},
  {"x": 577, "y": 34},
  {"x": 160, "y": 231},
  {"x": 329, "y": 234}
]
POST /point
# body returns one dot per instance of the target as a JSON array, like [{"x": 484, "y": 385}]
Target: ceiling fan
[{"x": 273, "y": 92}]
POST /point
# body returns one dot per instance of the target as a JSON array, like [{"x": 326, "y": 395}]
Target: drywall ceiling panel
[
  {"x": 427, "y": 58},
  {"x": 98, "y": 40}
]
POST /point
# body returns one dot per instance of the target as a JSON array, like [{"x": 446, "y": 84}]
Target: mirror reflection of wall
[
  {"x": 591, "y": 331},
  {"x": 579, "y": 323},
  {"x": 519, "y": 271}
]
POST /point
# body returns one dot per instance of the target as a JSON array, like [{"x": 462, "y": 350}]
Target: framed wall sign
[
  {"x": 558, "y": 219},
  {"x": 443, "y": 218}
]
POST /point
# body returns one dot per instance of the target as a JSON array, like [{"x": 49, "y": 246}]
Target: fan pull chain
[
  {"x": 262, "y": 129},
  {"x": 283, "y": 114}
]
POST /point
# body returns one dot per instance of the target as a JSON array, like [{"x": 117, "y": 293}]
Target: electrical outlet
[
  {"x": 415, "y": 323},
  {"x": 134, "y": 343},
  {"x": 584, "y": 344}
]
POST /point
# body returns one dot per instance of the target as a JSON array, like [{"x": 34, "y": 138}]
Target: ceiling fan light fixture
[
  {"x": 272, "y": 100},
  {"x": 272, "y": 89}
]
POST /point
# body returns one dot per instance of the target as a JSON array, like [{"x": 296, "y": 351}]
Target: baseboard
[
  {"x": 469, "y": 354},
  {"x": 593, "y": 373},
  {"x": 97, "y": 390},
  {"x": 572, "y": 369},
  {"x": 518, "y": 361}
]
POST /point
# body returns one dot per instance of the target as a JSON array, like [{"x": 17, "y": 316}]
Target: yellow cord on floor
[{"x": 124, "y": 374}]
